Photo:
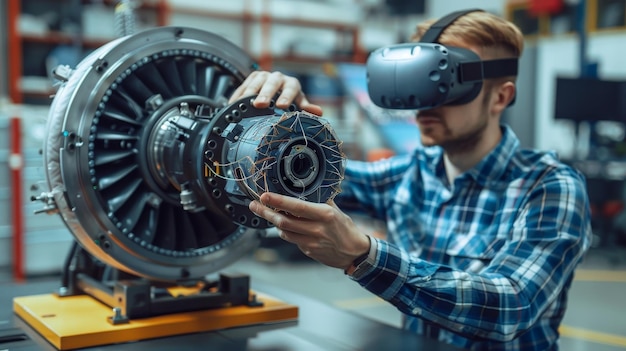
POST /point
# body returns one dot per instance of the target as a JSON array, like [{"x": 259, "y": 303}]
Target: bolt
[
  {"x": 118, "y": 317},
  {"x": 184, "y": 109},
  {"x": 117, "y": 312},
  {"x": 154, "y": 102}
]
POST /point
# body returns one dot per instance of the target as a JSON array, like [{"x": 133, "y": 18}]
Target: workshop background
[{"x": 572, "y": 99}]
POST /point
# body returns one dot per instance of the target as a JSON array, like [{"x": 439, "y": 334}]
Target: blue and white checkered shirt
[{"x": 484, "y": 263}]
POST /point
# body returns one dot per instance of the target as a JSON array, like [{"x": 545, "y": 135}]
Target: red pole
[{"x": 15, "y": 165}]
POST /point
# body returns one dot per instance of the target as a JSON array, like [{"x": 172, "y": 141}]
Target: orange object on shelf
[
  {"x": 545, "y": 7},
  {"x": 379, "y": 154}
]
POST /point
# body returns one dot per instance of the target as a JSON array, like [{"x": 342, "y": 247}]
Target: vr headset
[{"x": 427, "y": 74}]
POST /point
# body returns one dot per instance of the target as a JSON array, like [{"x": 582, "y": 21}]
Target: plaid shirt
[{"x": 484, "y": 263}]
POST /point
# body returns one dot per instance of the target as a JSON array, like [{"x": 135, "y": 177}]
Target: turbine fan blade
[
  {"x": 171, "y": 76},
  {"x": 120, "y": 193},
  {"x": 211, "y": 75},
  {"x": 186, "y": 234},
  {"x": 130, "y": 213},
  {"x": 111, "y": 113},
  {"x": 113, "y": 177},
  {"x": 206, "y": 232},
  {"x": 187, "y": 69},
  {"x": 121, "y": 100},
  {"x": 205, "y": 78},
  {"x": 112, "y": 135},
  {"x": 107, "y": 156},
  {"x": 146, "y": 227},
  {"x": 166, "y": 230},
  {"x": 151, "y": 75},
  {"x": 223, "y": 84},
  {"x": 137, "y": 89}
]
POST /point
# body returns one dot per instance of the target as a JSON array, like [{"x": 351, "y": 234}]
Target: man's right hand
[{"x": 267, "y": 84}]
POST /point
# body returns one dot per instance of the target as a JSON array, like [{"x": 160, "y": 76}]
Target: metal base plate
[{"x": 81, "y": 321}]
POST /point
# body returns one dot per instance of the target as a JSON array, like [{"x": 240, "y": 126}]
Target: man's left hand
[{"x": 321, "y": 231}]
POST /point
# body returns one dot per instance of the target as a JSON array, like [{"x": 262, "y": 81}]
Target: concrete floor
[{"x": 595, "y": 321}]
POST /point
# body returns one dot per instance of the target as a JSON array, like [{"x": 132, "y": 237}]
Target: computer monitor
[
  {"x": 406, "y": 7},
  {"x": 590, "y": 99}
]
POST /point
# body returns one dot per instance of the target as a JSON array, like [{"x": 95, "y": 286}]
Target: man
[{"x": 482, "y": 236}]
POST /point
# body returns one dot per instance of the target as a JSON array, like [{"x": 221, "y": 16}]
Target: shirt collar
[{"x": 494, "y": 165}]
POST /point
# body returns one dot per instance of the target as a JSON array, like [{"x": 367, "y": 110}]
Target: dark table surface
[{"x": 319, "y": 327}]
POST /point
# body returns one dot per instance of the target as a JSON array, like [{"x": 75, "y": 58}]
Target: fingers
[
  {"x": 290, "y": 92},
  {"x": 290, "y": 228},
  {"x": 309, "y": 245},
  {"x": 288, "y": 213},
  {"x": 289, "y": 88},
  {"x": 281, "y": 220},
  {"x": 270, "y": 215},
  {"x": 303, "y": 241},
  {"x": 252, "y": 86},
  {"x": 296, "y": 207},
  {"x": 319, "y": 239},
  {"x": 266, "y": 85}
]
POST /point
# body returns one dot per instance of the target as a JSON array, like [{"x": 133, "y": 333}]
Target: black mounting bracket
[{"x": 134, "y": 297}]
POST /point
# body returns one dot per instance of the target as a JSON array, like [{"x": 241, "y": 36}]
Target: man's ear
[{"x": 504, "y": 94}]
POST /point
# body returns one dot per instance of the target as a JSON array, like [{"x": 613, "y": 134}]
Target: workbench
[{"x": 318, "y": 327}]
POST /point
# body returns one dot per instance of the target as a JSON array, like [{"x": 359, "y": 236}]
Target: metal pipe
[{"x": 586, "y": 68}]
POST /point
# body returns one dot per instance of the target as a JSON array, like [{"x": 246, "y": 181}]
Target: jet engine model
[{"x": 152, "y": 169}]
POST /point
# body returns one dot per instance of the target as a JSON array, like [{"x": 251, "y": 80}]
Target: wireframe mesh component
[{"x": 295, "y": 154}]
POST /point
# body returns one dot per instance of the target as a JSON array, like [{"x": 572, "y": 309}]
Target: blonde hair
[{"x": 494, "y": 35}]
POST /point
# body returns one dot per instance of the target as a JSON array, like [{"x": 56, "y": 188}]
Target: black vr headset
[{"x": 427, "y": 74}]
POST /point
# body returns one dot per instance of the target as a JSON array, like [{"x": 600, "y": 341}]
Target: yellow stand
[{"x": 81, "y": 321}]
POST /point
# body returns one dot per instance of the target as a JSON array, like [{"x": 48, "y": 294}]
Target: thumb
[{"x": 309, "y": 107}]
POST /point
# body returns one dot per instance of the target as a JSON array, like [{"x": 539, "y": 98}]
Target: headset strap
[
  {"x": 479, "y": 70},
  {"x": 471, "y": 71},
  {"x": 435, "y": 30}
]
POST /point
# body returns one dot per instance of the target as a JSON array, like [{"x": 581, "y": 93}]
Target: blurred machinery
[
  {"x": 596, "y": 108},
  {"x": 152, "y": 171}
]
